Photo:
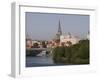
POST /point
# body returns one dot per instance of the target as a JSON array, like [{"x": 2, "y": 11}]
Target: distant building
[
  {"x": 28, "y": 43},
  {"x": 59, "y": 40},
  {"x": 65, "y": 40},
  {"x": 58, "y": 34},
  {"x": 50, "y": 44},
  {"x": 35, "y": 44},
  {"x": 68, "y": 39},
  {"x": 35, "y": 41}
]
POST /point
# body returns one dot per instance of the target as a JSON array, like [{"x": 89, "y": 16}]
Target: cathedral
[
  {"x": 58, "y": 34},
  {"x": 64, "y": 39},
  {"x": 59, "y": 39}
]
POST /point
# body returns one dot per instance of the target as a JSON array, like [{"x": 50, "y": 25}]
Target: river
[{"x": 39, "y": 61}]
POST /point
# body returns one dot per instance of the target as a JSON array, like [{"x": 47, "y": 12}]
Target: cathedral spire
[
  {"x": 59, "y": 33},
  {"x": 59, "y": 29}
]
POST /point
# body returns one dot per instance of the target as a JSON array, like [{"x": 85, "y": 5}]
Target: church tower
[
  {"x": 59, "y": 33},
  {"x": 59, "y": 29}
]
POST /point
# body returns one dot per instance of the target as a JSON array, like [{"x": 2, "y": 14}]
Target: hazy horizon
[{"x": 44, "y": 26}]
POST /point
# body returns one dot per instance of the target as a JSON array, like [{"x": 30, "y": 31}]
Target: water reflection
[
  {"x": 42, "y": 58},
  {"x": 39, "y": 61}
]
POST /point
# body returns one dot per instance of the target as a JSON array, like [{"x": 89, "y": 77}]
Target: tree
[
  {"x": 81, "y": 55},
  {"x": 58, "y": 55},
  {"x": 68, "y": 54},
  {"x": 69, "y": 43},
  {"x": 74, "y": 54},
  {"x": 35, "y": 45}
]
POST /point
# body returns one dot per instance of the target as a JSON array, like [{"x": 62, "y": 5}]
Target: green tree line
[{"x": 73, "y": 54}]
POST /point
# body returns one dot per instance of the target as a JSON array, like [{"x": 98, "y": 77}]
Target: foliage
[
  {"x": 35, "y": 45},
  {"x": 74, "y": 54}
]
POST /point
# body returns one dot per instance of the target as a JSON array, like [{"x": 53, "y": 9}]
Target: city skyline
[{"x": 44, "y": 26}]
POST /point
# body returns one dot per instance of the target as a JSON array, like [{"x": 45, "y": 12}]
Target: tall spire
[
  {"x": 59, "y": 33},
  {"x": 59, "y": 29}
]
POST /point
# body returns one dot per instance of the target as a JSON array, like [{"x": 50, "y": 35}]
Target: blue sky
[{"x": 44, "y": 26}]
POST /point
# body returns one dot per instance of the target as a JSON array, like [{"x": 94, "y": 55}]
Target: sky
[{"x": 44, "y": 26}]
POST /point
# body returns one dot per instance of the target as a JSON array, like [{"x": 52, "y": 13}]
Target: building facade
[
  {"x": 65, "y": 40},
  {"x": 68, "y": 40}
]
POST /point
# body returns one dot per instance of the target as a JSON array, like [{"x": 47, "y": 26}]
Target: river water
[{"x": 39, "y": 61}]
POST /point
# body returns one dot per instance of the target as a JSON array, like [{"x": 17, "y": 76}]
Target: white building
[
  {"x": 68, "y": 38},
  {"x": 28, "y": 41}
]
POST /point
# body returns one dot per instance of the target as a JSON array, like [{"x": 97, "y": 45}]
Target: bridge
[
  {"x": 43, "y": 49},
  {"x": 36, "y": 51}
]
